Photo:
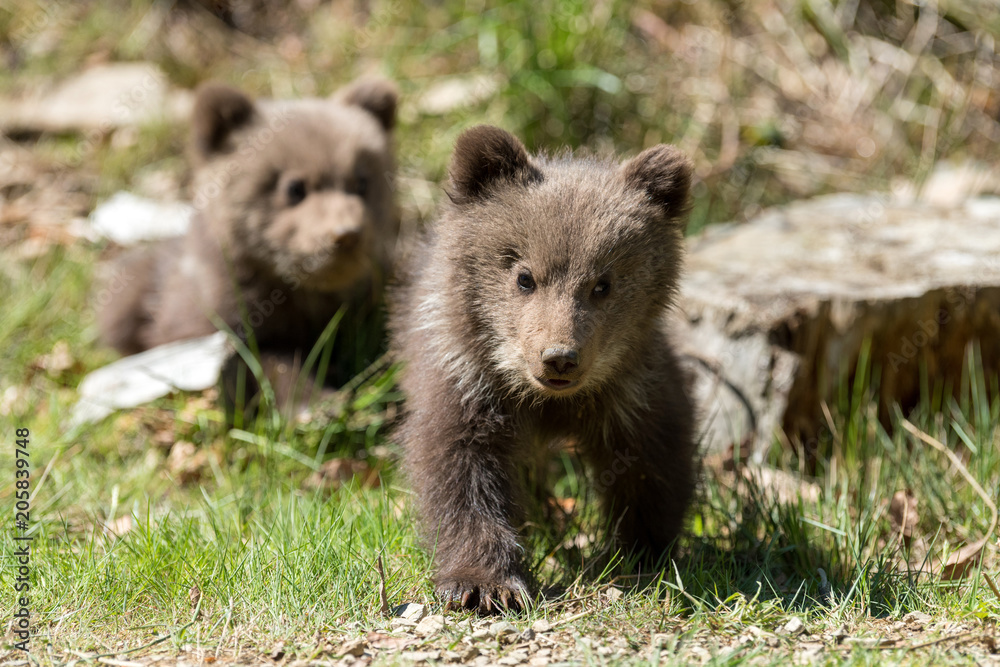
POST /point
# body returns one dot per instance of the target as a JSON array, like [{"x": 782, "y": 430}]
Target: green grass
[{"x": 277, "y": 559}]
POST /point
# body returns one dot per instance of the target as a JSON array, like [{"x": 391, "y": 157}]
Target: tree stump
[{"x": 775, "y": 314}]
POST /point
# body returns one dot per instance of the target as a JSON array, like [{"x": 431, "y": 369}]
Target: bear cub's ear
[
  {"x": 219, "y": 110},
  {"x": 664, "y": 174},
  {"x": 486, "y": 156},
  {"x": 377, "y": 96}
]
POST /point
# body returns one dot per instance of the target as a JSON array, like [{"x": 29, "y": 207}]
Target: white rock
[
  {"x": 430, "y": 625},
  {"x": 187, "y": 365},
  {"x": 917, "y": 618},
  {"x": 541, "y": 625},
  {"x": 410, "y": 611},
  {"x": 793, "y": 627},
  {"x": 128, "y": 219},
  {"x": 456, "y": 93},
  {"x": 502, "y": 629},
  {"x": 99, "y": 99}
]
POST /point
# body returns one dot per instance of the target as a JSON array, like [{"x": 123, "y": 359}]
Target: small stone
[
  {"x": 541, "y": 626},
  {"x": 793, "y": 627},
  {"x": 278, "y": 652},
  {"x": 481, "y": 633},
  {"x": 468, "y": 653},
  {"x": 355, "y": 647},
  {"x": 502, "y": 629},
  {"x": 539, "y": 661},
  {"x": 430, "y": 625},
  {"x": 420, "y": 656},
  {"x": 917, "y": 618},
  {"x": 402, "y": 624},
  {"x": 527, "y": 635},
  {"x": 410, "y": 611}
]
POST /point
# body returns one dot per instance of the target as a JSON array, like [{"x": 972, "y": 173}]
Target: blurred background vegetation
[{"x": 774, "y": 99}]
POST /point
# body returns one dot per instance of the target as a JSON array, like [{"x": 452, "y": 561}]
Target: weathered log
[{"x": 775, "y": 313}]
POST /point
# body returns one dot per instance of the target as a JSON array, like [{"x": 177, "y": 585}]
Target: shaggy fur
[
  {"x": 294, "y": 219},
  {"x": 533, "y": 312}
]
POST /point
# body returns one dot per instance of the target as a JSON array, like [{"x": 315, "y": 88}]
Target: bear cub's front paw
[{"x": 491, "y": 596}]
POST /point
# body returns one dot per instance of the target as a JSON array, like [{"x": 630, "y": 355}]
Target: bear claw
[{"x": 484, "y": 598}]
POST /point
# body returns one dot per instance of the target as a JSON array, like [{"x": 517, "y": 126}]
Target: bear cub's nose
[
  {"x": 560, "y": 359},
  {"x": 348, "y": 240}
]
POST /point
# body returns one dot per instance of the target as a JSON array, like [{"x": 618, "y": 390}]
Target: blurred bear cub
[
  {"x": 294, "y": 219},
  {"x": 532, "y": 312}
]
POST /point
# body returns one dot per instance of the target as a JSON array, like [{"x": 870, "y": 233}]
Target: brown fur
[
  {"x": 294, "y": 219},
  {"x": 573, "y": 261}
]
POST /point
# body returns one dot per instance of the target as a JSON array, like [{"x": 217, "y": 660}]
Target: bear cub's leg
[{"x": 467, "y": 483}]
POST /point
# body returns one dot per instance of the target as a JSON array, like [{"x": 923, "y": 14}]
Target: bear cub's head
[
  {"x": 298, "y": 191},
  {"x": 566, "y": 264}
]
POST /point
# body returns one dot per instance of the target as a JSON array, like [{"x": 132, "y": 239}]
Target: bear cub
[
  {"x": 294, "y": 218},
  {"x": 533, "y": 312}
]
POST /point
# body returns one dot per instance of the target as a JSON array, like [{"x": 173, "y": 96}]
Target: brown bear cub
[
  {"x": 533, "y": 311},
  {"x": 294, "y": 220}
]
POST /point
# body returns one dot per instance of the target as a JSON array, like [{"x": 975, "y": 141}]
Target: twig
[
  {"x": 939, "y": 640},
  {"x": 574, "y": 617},
  {"x": 957, "y": 462},
  {"x": 911, "y": 647},
  {"x": 993, "y": 587},
  {"x": 381, "y": 587}
]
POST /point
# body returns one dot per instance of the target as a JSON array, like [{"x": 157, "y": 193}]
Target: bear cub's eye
[
  {"x": 525, "y": 281},
  {"x": 361, "y": 186},
  {"x": 295, "y": 191},
  {"x": 602, "y": 288}
]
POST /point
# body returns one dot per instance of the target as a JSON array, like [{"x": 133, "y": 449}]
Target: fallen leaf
[
  {"x": 388, "y": 642},
  {"x": 278, "y": 652},
  {"x": 786, "y": 487},
  {"x": 903, "y": 515},
  {"x": 337, "y": 472},
  {"x": 961, "y": 561},
  {"x": 194, "y": 594},
  {"x": 355, "y": 647},
  {"x": 119, "y": 526},
  {"x": 186, "y": 461},
  {"x": 58, "y": 361}
]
